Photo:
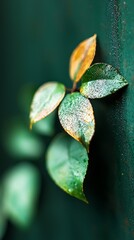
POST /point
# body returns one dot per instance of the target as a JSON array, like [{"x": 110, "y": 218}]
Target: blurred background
[{"x": 37, "y": 38}]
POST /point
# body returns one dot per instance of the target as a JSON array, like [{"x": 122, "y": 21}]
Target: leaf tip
[
  {"x": 95, "y": 36},
  {"x": 126, "y": 83},
  {"x": 87, "y": 149},
  {"x": 31, "y": 124},
  {"x": 84, "y": 199},
  {"x": 86, "y": 145}
]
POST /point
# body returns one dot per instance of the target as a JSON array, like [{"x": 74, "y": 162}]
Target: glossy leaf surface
[
  {"x": 45, "y": 100},
  {"x": 77, "y": 118},
  {"x": 82, "y": 58},
  {"x": 101, "y": 80},
  {"x": 21, "y": 189},
  {"x": 67, "y": 162}
]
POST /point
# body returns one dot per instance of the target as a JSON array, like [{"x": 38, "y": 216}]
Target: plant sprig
[{"x": 75, "y": 114}]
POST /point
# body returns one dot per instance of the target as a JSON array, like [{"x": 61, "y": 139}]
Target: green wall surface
[{"x": 38, "y": 37}]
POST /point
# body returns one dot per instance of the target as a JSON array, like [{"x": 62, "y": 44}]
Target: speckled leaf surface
[
  {"x": 82, "y": 58},
  {"x": 45, "y": 100},
  {"x": 101, "y": 80},
  {"x": 77, "y": 118},
  {"x": 67, "y": 162},
  {"x": 20, "y": 193}
]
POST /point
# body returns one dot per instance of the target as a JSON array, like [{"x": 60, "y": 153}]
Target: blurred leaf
[
  {"x": 21, "y": 190},
  {"x": 82, "y": 58},
  {"x": 22, "y": 143},
  {"x": 45, "y": 100},
  {"x": 77, "y": 118},
  {"x": 67, "y": 162},
  {"x": 47, "y": 125},
  {"x": 3, "y": 222},
  {"x": 101, "y": 80}
]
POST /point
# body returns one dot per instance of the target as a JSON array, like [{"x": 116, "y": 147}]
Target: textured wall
[{"x": 38, "y": 38}]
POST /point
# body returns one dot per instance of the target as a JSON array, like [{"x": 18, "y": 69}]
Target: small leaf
[
  {"x": 20, "y": 193},
  {"x": 101, "y": 80},
  {"x": 45, "y": 100},
  {"x": 77, "y": 118},
  {"x": 82, "y": 58},
  {"x": 67, "y": 162}
]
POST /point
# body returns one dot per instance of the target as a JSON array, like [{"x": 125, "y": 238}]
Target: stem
[
  {"x": 74, "y": 87},
  {"x": 68, "y": 89}
]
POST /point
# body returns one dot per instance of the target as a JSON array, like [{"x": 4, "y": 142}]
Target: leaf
[
  {"x": 45, "y": 100},
  {"x": 20, "y": 143},
  {"x": 21, "y": 189},
  {"x": 67, "y": 162},
  {"x": 77, "y": 118},
  {"x": 101, "y": 80},
  {"x": 82, "y": 58}
]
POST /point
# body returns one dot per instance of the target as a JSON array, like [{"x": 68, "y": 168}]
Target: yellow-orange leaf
[{"x": 82, "y": 58}]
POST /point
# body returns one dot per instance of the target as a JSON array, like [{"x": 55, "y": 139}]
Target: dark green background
[{"x": 37, "y": 39}]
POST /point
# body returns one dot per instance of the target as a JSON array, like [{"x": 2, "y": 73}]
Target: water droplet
[
  {"x": 70, "y": 190},
  {"x": 76, "y": 173}
]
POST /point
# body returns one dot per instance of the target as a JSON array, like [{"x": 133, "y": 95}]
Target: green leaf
[
  {"x": 77, "y": 118},
  {"x": 20, "y": 193},
  {"x": 20, "y": 142},
  {"x": 45, "y": 100},
  {"x": 67, "y": 162},
  {"x": 101, "y": 80}
]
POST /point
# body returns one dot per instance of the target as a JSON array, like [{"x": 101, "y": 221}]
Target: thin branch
[{"x": 74, "y": 87}]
